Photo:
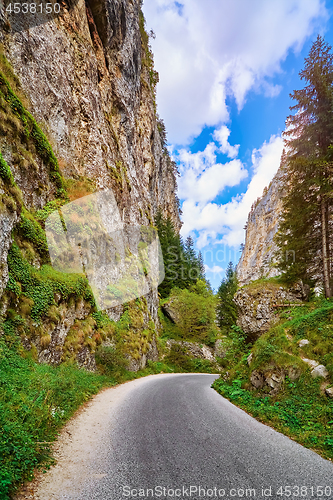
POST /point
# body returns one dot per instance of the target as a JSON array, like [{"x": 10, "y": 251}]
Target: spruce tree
[
  {"x": 304, "y": 228},
  {"x": 183, "y": 267},
  {"x": 172, "y": 251},
  {"x": 202, "y": 267},
  {"x": 226, "y": 309},
  {"x": 192, "y": 270}
]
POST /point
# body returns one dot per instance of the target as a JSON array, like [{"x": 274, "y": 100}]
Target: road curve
[{"x": 172, "y": 436}]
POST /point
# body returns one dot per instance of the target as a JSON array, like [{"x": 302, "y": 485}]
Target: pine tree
[
  {"x": 202, "y": 267},
  {"x": 191, "y": 265},
  {"x": 183, "y": 267},
  {"x": 226, "y": 309},
  {"x": 305, "y": 225}
]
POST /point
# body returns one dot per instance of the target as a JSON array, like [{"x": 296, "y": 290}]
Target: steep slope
[{"x": 78, "y": 114}]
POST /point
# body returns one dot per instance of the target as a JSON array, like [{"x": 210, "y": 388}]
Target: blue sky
[{"x": 226, "y": 69}]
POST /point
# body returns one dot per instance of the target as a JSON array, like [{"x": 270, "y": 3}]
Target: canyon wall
[
  {"x": 257, "y": 259},
  {"x": 77, "y": 115}
]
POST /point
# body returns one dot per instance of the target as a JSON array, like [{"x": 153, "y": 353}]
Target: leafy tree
[
  {"x": 196, "y": 313},
  {"x": 305, "y": 227},
  {"x": 226, "y": 309}
]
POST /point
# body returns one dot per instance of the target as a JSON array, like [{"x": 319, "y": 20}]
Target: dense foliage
[
  {"x": 195, "y": 310},
  {"x": 35, "y": 400}
]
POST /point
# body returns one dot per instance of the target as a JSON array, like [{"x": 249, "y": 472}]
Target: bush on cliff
[{"x": 195, "y": 312}]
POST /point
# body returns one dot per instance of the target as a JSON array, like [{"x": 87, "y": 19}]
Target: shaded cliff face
[
  {"x": 257, "y": 259},
  {"x": 86, "y": 78},
  {"x": 88, "y": 81}
]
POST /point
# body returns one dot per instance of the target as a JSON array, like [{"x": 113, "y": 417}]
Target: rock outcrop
[
  {"x": 257, "y": 259},
  {"x": 258, "y": 305},
  {"x": 171, "y": 311},
  {"x": 273, "y": 378},
  {"x": 77, "y": 90}
]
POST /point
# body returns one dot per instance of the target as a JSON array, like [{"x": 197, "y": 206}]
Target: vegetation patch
[
  {"x": 35, "y": 401},
  {"x": 40, "y": 285},
  {"x": 30, "y": 133},
  {"x": 299, "y": 406},
  {"x": 300, "y": 411},
  {"x": 196, "y": 313},
  {"x": 180, "y": 361}
]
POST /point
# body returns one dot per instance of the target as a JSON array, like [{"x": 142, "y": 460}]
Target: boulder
[
  {"x": 274, "y": 380},
  {"x": 329, "y": 392},
  {"x": 257, "y": 379},
  {"x": 311, "y": 362},
  {"x": 249, "y": 358},
  {"x": 170, "y": 311},
  {"x": 258, "y": 305},
  {"x": 320, "y": 371},
  {"x": 303, "y": 342},
  {"x": 300, "y": 290}
]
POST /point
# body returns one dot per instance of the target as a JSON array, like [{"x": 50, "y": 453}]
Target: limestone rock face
[
  {"x": 273, "y": 377},
  {"x": 52, "y": 354},
  {"x": 256, "y": 305},
  {"x": 7, "y": 222},
  {"x": 89, "y": 84},
  {"x": 257, "y": 259},
  {"x": 319, "y": 371}
]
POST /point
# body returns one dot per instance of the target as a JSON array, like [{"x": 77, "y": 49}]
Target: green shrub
[
  {"x": 40, "y": 285},
  {"x": 5, "y": 172},
  {"x": 196, "y": 314}
]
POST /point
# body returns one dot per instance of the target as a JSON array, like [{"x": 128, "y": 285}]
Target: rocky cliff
[
  {"x": 257, "y": 259},
  {"x": 258, "y": 305},
  {"x": 77, "y": 115}
]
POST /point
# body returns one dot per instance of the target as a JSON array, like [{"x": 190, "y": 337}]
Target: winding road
[{"x": 173, "y": 436}]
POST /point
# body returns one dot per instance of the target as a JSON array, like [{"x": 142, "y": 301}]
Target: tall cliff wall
[
  {"x": 257, "y": 259},
  {"x": 85, "y": 79}
]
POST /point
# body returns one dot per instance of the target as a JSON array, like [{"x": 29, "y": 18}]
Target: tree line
[
  {"x": 182, "y": 265},
  {"x": 306, "y": 226}
]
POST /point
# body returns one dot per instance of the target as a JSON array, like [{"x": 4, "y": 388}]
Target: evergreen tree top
[{"x": 310, "y": 129}]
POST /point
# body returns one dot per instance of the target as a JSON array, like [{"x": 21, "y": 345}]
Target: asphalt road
[{"x": 172, "y": 435}]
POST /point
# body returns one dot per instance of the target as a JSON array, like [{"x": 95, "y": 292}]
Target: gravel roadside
[{"x": 76, "y": 448}]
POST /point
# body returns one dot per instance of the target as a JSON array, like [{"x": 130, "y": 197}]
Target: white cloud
[
  {"x": 214, "y": 269},
  {"x": 202, "y": 178},
  {"x": 208, "y": 50},
  {"x": 221, "y": 135},
  {"x": 211, "y": 219}
]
